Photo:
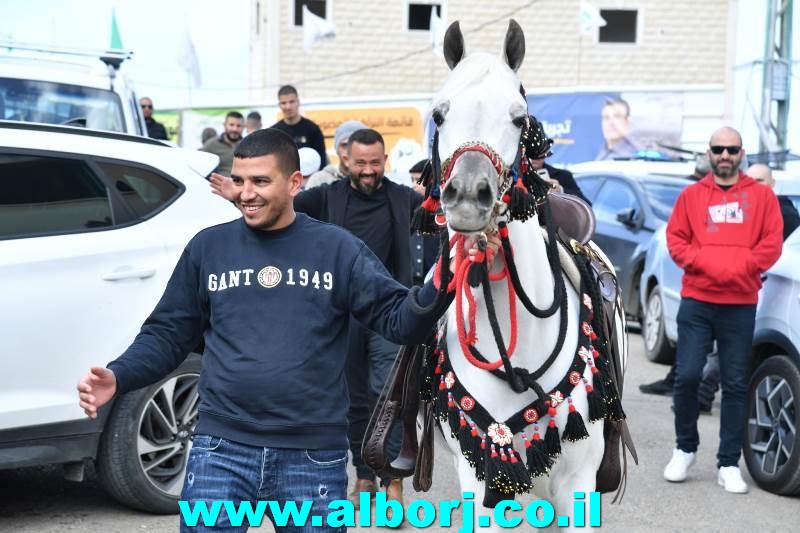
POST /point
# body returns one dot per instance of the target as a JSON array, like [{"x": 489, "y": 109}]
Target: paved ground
[{"x": 39, "y": 500}]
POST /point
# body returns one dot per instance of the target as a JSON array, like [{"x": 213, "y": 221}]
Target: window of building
[
  {"x": 621, "y": 26},
  {"x": 318, "y": 7},
  {"x": 419, "y": 15},
  {"x": 50, "y": 195},
  {"x": 143, "y": 191}
]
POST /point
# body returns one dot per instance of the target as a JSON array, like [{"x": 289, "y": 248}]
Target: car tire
[
  {"x": 772, "y": 445},
  {"x": 657, "y": 347},
  {"x": 145, "y": 444}
]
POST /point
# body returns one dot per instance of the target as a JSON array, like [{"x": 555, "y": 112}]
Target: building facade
[{"x": 384, "y": 47}]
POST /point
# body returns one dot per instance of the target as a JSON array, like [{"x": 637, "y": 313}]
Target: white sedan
[{"x": 91, "y": 227}]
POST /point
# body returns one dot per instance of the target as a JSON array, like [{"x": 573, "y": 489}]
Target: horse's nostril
[
  {"x": 450, "y": 192},
  {"x": 485, "y": 198}
]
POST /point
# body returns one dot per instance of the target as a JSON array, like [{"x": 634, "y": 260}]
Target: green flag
[{"x": 116, "y": 39}]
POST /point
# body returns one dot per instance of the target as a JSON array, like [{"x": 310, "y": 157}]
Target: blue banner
[{"x": 574, "y": 122}]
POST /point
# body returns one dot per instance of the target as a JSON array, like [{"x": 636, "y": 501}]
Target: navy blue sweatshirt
[{"x": 273, "y": 309}]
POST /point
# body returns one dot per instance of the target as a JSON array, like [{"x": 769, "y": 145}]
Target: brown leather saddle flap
[{"x": 573, "y": 216}]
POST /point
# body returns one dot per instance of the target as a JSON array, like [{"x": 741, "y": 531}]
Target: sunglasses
[
  {"x": 732, "y": 150},
  {"x": 145, "y": 106}
]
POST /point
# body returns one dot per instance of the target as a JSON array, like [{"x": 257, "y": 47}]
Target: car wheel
[
  {"x": 145, "y": 444},
  {"x": 772, "y": 446},
  {"x": 656, "y": 345}
]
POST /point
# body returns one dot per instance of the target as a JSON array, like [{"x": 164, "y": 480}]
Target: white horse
[{"x": 481, "y": 103}]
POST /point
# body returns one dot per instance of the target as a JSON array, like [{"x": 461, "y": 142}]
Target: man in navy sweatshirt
[{"x": 270, "y": 294}]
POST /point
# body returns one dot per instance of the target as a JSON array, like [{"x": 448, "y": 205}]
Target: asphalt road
[{"x": 40, "y": 500}]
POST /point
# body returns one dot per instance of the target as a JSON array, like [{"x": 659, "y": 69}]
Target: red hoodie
[{"x": 725, "y": 240}]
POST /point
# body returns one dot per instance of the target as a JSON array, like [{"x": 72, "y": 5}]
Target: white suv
[
  {"x": 68, "y": 87},
  {"x": 91, "y": 227}
]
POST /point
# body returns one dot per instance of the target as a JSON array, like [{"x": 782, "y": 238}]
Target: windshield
[
  {"x": 58, "y": 103},
  {"x": 662, "y": 197}
]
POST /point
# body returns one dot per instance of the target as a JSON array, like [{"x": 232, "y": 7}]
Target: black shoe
[
  {"x": 662, "y": 387},
  {"x": 705, "y": 408}
]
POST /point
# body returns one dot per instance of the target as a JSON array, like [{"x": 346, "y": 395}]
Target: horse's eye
[
  {"x": 519, "y": 121},
  {"x": 438, "y": 118}
]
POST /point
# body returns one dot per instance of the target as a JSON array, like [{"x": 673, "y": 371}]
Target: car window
[
  {"x": 60, "y": 103},
  {"x": 662, "y": 197},
  {"x": 143, "y": 191},
  {"x": 614, "y": 196},
  {"x": 49, "y": 195},
  {"x": 589, "y": 185}
]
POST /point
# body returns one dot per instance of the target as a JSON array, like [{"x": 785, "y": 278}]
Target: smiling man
[
  {"x": 377, "y": 211},
  {"x": 725, "y": 231},
  {"x": 271, "y": 295}
]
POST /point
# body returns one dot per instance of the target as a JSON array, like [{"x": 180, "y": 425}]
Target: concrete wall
[{"x": 679, "y": 42}]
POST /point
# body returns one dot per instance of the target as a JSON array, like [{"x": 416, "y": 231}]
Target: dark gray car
[{"x": 629, "y": 209}]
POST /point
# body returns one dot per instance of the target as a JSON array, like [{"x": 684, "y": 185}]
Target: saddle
[{"x": 399, "y": 400}]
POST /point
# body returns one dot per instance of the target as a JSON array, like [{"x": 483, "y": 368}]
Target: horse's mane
[{"x": 473, "y": 70}]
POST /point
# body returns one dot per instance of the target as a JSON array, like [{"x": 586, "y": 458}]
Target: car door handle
[{"x": 128, "y": 273}]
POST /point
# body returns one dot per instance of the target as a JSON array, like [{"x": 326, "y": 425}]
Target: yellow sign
[{"x": 401, "y": 128}]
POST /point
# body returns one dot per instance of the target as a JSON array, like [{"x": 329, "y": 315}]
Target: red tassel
[{"x": 431, "y": 204}]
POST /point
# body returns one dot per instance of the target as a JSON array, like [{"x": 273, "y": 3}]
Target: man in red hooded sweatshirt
[{"x": 725, "y": 231}]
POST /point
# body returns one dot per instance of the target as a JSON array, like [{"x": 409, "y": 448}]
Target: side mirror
[{"x": 628, "y": 217}]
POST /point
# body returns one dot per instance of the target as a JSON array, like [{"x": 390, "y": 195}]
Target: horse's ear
[
  {"x": 453, "y": 45},
  {"x": 514, "y": 47}
]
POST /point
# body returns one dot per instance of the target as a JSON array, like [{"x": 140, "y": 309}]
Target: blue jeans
[
  {"x": 699, "y": 324},
  {"x": 219, "y": 469},
  {"x": 369, "y": 361}
]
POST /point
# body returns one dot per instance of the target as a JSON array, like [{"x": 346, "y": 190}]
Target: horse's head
[{"x": 479, "y": 113}]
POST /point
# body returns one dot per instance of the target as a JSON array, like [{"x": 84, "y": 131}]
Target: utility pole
[{"x": 776, "y": 80}]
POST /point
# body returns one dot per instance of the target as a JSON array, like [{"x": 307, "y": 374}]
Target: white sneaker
[
  {"x": 676, "y": 470},
  {"x": 730, "y": 478}
]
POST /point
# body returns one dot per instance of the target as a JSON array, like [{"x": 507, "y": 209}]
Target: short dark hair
[
  {"x": 254, "y": 115},
  {"x": 287, "y": 89},
  {"x": 618, "y": 101},
  {"x": 270, "y": 141},
  {"x": 419, "y": 166},
  {"x": 365, "y": 136},
  {"x": 234, "y": 114}
]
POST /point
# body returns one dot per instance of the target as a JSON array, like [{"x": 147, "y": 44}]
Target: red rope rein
[{"x": 467, "y": 333}]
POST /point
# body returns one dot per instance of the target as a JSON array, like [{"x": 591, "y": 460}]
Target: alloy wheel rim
[
  {"x": 771, "y": 425},
  {"x": 165, "y": 429},
  {"x": 652, "y": 322}
]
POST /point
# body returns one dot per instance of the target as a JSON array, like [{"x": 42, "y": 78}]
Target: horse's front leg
[{"x": 576, "y": 472}]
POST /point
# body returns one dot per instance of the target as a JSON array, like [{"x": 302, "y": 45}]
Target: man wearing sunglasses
[
  {"x": 155, "y": 130},
  {"x": 725, "y": 231}
]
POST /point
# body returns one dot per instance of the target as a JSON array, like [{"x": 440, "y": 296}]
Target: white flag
[
  {"x": 437, "y": 31},
  {"x": 187, "y": 59},
  {"x": 589, "y": 18},
  {"x": 315, "y": 28}
]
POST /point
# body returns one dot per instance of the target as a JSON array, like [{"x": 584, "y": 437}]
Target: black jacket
[
  {"x": 155, "y": 130},
  {"x": 329, "y": 203},
  {"x": 566, "y": 180},
  {"x": 791, "y": 218}
]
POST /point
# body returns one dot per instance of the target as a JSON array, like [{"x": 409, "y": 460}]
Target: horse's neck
[{"x": 536, "y": 336}]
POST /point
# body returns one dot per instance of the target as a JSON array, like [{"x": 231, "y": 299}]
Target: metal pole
[
  {"x": 766, "y": 84},
  {"x": 784, "y": 79}
]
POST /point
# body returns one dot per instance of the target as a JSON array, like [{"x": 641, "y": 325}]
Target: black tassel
[
  {"x": 614, "y": 410},
  {"x": 424, "y": 222},
  {"x": 497, "y": 477},
  {"x": 453, "y": 418},
  {"x": 597, "y": 405},
  {"x": 552, "y": 442},
  {"x": 519, "y": 474},
  {"x": 599, "y": 386},
  {"x": 470, "y": 443},
  {"x": 539, "y": 462},
  {"x": 521, "y": 205},
  {"x": 575, "y": 429},
  {"x": 441, "y": 403},
  {"x": 480, "y": 459}
]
